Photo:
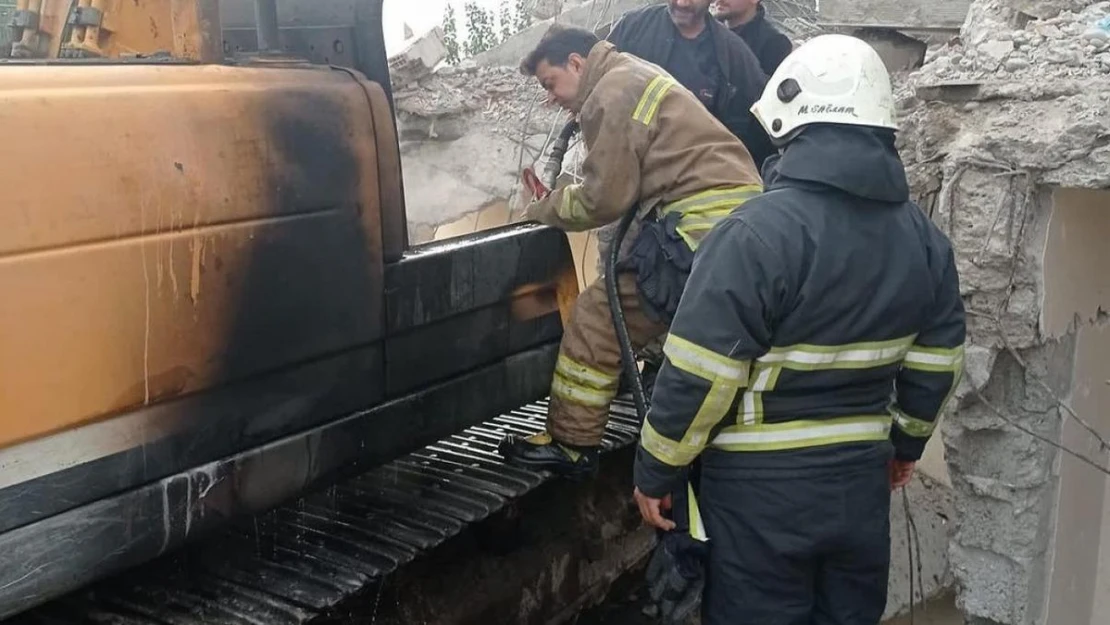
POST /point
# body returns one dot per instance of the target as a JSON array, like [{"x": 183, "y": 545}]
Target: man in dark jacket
[
  {"x": 818, "y": 339},
  {"x": 748, "y": 18},
  {"x": 706, "y": 58}
]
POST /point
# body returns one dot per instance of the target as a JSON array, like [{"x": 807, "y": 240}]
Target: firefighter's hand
[
  {"x": 652, "y": 510},
  {"x": 901, "y": 471},
  {"x": 535, "y": 211},
  {"x": 532, "y": 184}
]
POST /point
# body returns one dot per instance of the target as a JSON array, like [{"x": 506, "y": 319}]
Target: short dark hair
[{"x": 556, "y": 46}]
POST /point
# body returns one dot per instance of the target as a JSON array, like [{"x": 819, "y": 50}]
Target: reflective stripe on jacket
[
  {"x": 650, "y": 142},
  {"x": 822, "y": 319}
]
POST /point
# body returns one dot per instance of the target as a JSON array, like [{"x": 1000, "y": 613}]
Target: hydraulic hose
[
  {"x": 558, "y": 152},
  {"x": 616, "y": 309}
]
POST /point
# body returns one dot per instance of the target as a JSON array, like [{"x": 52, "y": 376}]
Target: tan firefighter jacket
[{"x": 651, "y": 141}]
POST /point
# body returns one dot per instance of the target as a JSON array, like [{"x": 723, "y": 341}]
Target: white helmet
[{"x": 832, "y": 79}]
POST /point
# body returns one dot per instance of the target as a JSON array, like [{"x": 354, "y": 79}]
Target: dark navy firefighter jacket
[{"x": 822, "y": 324}]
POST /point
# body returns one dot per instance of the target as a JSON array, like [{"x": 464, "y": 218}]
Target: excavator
[{"x": 211, "y": 307}]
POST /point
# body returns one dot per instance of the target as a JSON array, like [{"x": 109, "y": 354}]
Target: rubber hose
[
  {"x": 558, "y": 152},
  {"x": 616, "y": 309}
]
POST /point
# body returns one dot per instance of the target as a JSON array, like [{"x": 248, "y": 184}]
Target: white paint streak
[
  {"x": 146, "y": 295},
  {"x": 194, "y": 278},
  {"x": 165, "y": 517},
  {"x": 173, "y": 266},
  {"x": 198, "y": 251},
  {"x": 188, "y": 505},
  {"x": 211, "y": 484}
]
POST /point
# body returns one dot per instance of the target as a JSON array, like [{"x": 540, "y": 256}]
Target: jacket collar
[
  {"x": 755, "y": 24},
  {"x": 720, "y": 35},
  {"x": 601, "y": 59},
  {"x": 717, "y": 30},
  {"x": 816, "y": 159}
]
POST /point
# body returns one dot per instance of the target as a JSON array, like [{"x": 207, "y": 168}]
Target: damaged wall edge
[{"x": 1005, "y": 141}]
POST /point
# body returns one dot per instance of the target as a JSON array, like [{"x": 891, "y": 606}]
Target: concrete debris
[
  {"x": 903, "y": 15},
  {"x": 466, "y": 132},
  {"x": 593, "y": 15},
  {"x": 1044, "y": 9},
  {"x": 1068, "y": 44},
  {"x": 502, "y": 94},
  {"x": 418, "y": 59},
  {"x": 994, "y": 126},
  {"x": 548, "y": 9},
  {"x": 931, "y": 508}
]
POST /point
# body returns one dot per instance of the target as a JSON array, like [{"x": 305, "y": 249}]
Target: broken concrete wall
[
  {"x": 465, "y": 135},
  {"x": 1077, "y": 294},
  {"x": 923, "y": 14},
  {"x": 591, "y": 15},
  {"x": 900, "y": 53},
  {"x": 794, "y": 17},
  {"x": 1004, "y": 123},
  {"x": 417, "y": 59}
]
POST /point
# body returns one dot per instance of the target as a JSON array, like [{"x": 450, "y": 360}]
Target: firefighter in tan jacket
[{"x": 651, "y": 144}]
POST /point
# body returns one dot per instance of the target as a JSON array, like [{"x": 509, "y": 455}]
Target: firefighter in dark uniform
[{"x": 818, "y": 339}]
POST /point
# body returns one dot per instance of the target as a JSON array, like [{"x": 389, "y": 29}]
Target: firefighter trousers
[
  {"x": 811, "y": 550},
  {"x": 587, "y": 373}
]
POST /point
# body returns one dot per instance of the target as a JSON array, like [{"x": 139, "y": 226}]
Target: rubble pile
[
  {"x": 465, "y": 134},
  {"x": 1028, "y": 40},
  {"x": 499, "y": 98},
  {"x": 992, "y": 127}
]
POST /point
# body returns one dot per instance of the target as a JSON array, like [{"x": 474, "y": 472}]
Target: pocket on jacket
[{"x": 662, "y": 261}]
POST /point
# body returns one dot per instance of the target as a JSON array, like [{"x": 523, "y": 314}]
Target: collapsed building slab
[
  {"x": 900, "y": 31},
  {"x": 465, "y": 135},
  {"x": 418, "y": 58},
  {"x": 1007, "y": 139},
  {"x": 592, "y": 15}
]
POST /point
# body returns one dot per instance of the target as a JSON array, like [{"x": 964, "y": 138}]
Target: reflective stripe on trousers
[{"x": 582, "y": 384}]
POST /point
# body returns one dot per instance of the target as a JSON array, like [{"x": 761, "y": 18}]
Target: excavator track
[{"x": 300, "y": 563}]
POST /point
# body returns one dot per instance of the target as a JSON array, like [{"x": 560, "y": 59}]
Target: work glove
[{"x": 676, "y": 576}]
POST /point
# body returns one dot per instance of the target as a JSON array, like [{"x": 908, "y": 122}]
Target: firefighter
[
  {"x": 650, "y": 143},
  {"x": 705, "y": 57},
  {"x": 701, "y": 54},
  {"x": 819, "y": 337},
  {"x": 748, "y": 19}
]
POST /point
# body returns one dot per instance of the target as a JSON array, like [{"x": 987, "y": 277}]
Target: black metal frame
[
  {"x": 458, "y": 296},
  {"x": 268, "y": 440}
]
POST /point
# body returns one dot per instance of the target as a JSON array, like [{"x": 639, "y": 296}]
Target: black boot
[{"x": 540, "y": 452}]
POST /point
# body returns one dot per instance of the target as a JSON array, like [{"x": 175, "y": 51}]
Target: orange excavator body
[{"x": 210, "y": 304}]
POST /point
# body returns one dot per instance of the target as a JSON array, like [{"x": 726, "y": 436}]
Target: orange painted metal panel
[{"x": 171, "y": 229}]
